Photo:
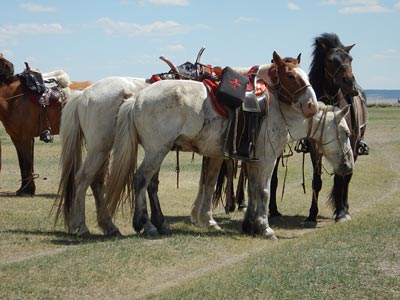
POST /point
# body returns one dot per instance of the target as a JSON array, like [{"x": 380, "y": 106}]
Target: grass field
[{"x": 354, "y": 260}]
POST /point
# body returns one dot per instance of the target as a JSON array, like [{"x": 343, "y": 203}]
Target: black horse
[{"x": 334, "y": 83}]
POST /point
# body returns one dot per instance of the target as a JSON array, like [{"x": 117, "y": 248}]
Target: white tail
[
  {"x": 71, "y": 154},
  {"x": 123, "y": 161}
]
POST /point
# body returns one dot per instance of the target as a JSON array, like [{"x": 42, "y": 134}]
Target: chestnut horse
[
  {"x": 332, "y": 78},
  {"x": 23, "y": 120}
]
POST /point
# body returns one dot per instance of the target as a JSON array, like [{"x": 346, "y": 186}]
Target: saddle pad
[{"x": 232, "y": 88}]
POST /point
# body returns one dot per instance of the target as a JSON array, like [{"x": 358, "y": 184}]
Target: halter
[
  {"x": 278, "y": 87},
  {"x": 322, "y": 122},
  {"x": 333, "y": 76}
]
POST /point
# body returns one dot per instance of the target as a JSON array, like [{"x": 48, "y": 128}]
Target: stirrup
[
  {"x": 302, "y": 146},
  {"x": 46, "y": 136},
  {"x": 252, "y": 152},
  {"x": 362, "y": 148}
]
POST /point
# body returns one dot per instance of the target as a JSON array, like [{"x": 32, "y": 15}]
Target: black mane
[{"x": 317, "y": 69}]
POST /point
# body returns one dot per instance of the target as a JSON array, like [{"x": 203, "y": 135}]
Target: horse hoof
[
  {"x": 216, "y": 227},
  {"x": 113, "y": 233},
  {"x": 81, "y": 231},
  {"x": 165, "y": 229},
  {"x": 345, "y": 218},
  {"x": 24, "y": 194},
  {"x": 150, "y": 230},
  {"x": 268, "y": 233},
  {"x": 310, "y": 224}
]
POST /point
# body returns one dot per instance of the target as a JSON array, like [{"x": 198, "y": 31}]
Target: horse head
[
  {"x": 333, "y": 138},
  {"x": 291, "y": 84},
  {"x": 6, "y": 69},
  {"x": 331, "y": 67}
]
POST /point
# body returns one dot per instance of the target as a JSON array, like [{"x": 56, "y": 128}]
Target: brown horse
[{"x": 23, "y": 120}]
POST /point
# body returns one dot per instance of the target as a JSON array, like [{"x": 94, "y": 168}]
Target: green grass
[{"x": 354, "y": 260}]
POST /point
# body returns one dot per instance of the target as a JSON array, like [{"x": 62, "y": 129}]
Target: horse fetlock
[{"x": 80, "y": 231}]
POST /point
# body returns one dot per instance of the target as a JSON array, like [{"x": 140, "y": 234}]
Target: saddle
[
  {"x": 241, "y": 98},
  {"x": 43, "y": 91},
  {"x": 245, "y": 112}
]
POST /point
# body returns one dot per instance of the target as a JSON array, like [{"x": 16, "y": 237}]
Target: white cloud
[
  {"x": 165, "y": 2},
  {"x": 174, "y": 48},
  {"x": 9, "y": 33},
  {"x": 357, "y": 6},
  {"x": 328, "y": 3},
  {"x": 293, "y": 6},
  {"x": 245, "y": 20},
  {"x": 363, "y": 9},
  {"x": 388, "y": 54},
  {"x": 31, "y": 29},
  {"x": 32, "y": 7},
  {"x": 397, "y": 6},
  {"x": 167, "y": 28}
]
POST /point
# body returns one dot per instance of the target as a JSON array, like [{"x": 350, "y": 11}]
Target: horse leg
[
  {"x": 150, "y": 165},
  {"x": 240, "y": 197},
  {"x": 157, "y": 217},
  {"x": 97, "y": 186},
  {"x": 316, "y": 160},
  {"x": 230, "y": 195},
  {"x": 340, "y": 196},
  {"x": 201, "y": 214},
  {"x": 273, "y": 208},
  {"x": 259, "y": 182},
  {"x": 24, "y": 149}
]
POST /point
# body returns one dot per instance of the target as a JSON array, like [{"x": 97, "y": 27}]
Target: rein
[{"x": 15, "y": 96}]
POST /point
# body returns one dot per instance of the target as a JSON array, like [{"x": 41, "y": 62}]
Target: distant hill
[{"x": 382, "y": 94}]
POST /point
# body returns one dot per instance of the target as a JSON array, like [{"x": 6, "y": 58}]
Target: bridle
[
  {"x": 283, "y": 92},
  {"x": 333, "y": 76},
  {"x": 321, "y": 125}
]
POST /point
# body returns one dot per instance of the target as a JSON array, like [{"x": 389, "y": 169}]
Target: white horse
[
  {"x": 328, "y": 128},
  {"x": 179, "y": 115},
  {"x": 89, "y": 118}
]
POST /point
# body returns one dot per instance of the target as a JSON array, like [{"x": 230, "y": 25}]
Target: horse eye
[{"x": 290, "y": 76}]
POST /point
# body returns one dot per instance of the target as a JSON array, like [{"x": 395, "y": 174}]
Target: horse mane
[{"x": 317, "y": 68}]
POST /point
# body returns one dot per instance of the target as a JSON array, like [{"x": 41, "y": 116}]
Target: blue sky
[{"x": 91, "y": 40}]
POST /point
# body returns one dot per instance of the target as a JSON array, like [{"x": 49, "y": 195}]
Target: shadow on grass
[
  {"x": 180, "y": 226},
  {"x": 14, "y": 195}
]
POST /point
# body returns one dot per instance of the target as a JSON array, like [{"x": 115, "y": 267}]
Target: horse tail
[
  {"x": 71, "y": 155},
  {"x": 123, "y": 162}
]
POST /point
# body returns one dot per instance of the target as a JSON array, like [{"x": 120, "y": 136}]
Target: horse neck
[{"x": 289, "y": 116}]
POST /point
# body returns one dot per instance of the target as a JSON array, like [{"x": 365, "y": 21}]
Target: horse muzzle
[{"x": 309, "y": 109}]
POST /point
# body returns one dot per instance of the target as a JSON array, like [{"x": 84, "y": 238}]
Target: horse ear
[
  {"x": 321, "y": 45},
  {"x": 299, "y": 58},
  {"x": 277, "y": 59},
  {"x": 348, "y": 48},
  {"x": 343, "y": 112}
]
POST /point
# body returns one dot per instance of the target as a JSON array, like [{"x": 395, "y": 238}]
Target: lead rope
[{"x": 177, "y": 168}]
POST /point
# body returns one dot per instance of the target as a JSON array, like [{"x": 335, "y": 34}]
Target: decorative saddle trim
[{"x": 211, "y": 87}]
